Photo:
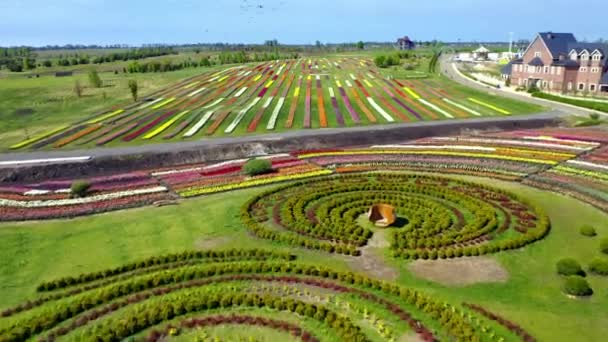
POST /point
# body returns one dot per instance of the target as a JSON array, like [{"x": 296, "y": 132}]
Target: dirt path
[{"x": 371, "y": 261}]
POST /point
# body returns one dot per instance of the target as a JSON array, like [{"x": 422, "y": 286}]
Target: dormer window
[
  {"x": 584, "y": 56},
  {"x": 596, "y": 57},
  {"x": 573, "y": 56}
]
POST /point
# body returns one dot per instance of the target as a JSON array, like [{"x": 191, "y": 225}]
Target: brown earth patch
[{"x": 461, "y": 271}]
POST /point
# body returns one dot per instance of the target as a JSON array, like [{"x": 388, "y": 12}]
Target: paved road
[
  {"x": 447, "y": 69},
  {"x": 556, "y": 110}
]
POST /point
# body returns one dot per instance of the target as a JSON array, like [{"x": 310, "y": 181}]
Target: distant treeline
[
  {"x": 23, "y": 58},
  {"x": 239, "y": 57}
]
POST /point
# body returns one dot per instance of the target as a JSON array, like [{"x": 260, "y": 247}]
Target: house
[
  {"x": 558, "y": 62},
  {"x": 405, "y": 43},
  {"x": 481, "y": 53}
]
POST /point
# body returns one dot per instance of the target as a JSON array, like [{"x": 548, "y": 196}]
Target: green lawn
[{"x": 37, "y": 251}]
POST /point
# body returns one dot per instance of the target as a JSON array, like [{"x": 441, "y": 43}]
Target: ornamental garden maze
[
  {"x": 494, "y": 235},
  {"x": 291, "y": 254}
]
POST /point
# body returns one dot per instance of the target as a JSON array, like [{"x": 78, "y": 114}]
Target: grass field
[
  {"x": 270, "y": 97},
  {"x": 531, "y": 296}
]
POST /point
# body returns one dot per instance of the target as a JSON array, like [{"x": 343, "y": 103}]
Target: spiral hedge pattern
[
  {"x": 171, "y": 295},
  {"x": 446, "y": 218}
]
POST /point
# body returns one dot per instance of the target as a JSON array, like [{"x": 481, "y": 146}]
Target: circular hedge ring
[{"x": 446, "y": 218}]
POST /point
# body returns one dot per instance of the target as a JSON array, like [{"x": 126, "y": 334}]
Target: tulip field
[
  {"x": 284, "y": 255},
  {"x": 308, "y": 93}
]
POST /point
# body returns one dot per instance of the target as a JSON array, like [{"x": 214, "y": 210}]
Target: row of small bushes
[
  {"x": 599, "y": 106},
  {"x": 214, "y": 255},
  {"x": 570, "y": 267},
  {"x": 452, "y": 320}
]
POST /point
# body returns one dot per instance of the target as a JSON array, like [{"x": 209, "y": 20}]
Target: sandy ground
[{"x": 460, "y": 271}]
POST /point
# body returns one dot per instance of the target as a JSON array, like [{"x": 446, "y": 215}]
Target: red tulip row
[
  {"x": 502, "y": 321},
  {"x": 23, "y": 214},
  {"x": 233, "y": 319}
]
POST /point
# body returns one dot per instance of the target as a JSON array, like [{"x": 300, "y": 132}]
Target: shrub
[
  {"x": 600, "y": 106},
  {"x": 599, "y": 266},
  {"x": 604, "y": 245},
  {"x": 569, "y": 267},
  {"x": 80, "y": 188},
  {"x": 577, "y": 286},
  {"x": 256, "y": 167},
  {"x": 587, "y": 231}
]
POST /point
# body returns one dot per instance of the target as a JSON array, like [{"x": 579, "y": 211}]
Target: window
[
  {"x": 573, "y": 56},
  {"x": 544, "y": 84},
  {"x": 569, "y": 85},
  {"x": 559, "y": 71},
  {"x": 592, "y": 87},
  {"x": 537, "y": 54},
  {"x": 552, "y": 70},
  {"x": 597, "y": 57},
  {"x": 546, "y": 71},
  {"x": 583, "y": 69},
  {"x": 585, "y": 56},
  {"x": 581, "y": 86},
  {"x": 595, "y": 70}
]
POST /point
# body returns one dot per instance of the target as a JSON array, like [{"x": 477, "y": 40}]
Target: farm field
[
  {"x": 308, "y": 93},
  {"x": 482, "y": 221}
]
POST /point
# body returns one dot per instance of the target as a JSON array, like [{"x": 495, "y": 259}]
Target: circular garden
[
  {"x": 199, "y": 295},
  {"x": 438, "y": 218}
]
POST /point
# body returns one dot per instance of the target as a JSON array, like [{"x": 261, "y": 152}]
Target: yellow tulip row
[
  {"x": 250, "y": 183},
  {"x": 438, "y": 153}
]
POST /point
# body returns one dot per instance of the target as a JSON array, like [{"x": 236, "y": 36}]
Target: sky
[{"x": 136, "y": 22}]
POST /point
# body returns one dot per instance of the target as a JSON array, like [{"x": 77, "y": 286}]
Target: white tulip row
[
  {"x": 84, "y": 200},
  {"x": 514, "y": 142}
]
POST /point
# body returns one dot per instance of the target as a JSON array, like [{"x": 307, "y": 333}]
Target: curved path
[{"x": 448, "y": 69}]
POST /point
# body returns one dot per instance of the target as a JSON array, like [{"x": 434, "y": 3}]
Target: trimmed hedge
[
  {"x": 588, "y": 231},
  {"x": 600, "y": 106},
  {"x": 604, "y": 245},
  {"x": 569, "y": 267},
  {"x": 254, "y": 167},
  {"x": 599, "y": 266},
  {"x": 577, "y": 286}
]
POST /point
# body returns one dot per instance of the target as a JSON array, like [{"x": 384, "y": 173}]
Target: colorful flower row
[
  {"x": 84, "y": 200},
  {"x": 251, "y": 183}
]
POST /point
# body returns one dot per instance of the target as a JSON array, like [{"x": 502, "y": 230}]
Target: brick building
[{"x": 557, "y": 62}]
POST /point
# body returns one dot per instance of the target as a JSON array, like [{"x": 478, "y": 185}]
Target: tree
[
  {"x": 94, "y": 79},
  {"x": 360, "y": 45},
  {"x": 133, "y": 87},
  {"x": 78, "y": 89},
  {"x": 80, "y": 188},
  {"x": 205, "y": 62},
  {"x": 318, "y": 44},
  {"x": 255, "y": 167}
]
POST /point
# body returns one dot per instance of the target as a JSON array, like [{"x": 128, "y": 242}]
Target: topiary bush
[
  {"x": 587, "y": 230},
  {"x": 80, "y": 189},
  {"x": 254, "y": 167},
  {"x": 569, "y": 267},
  {"x": 577, "y": 286},
  {"x": 604, "y": 245},
  {"x": 599, "y": 266}
]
